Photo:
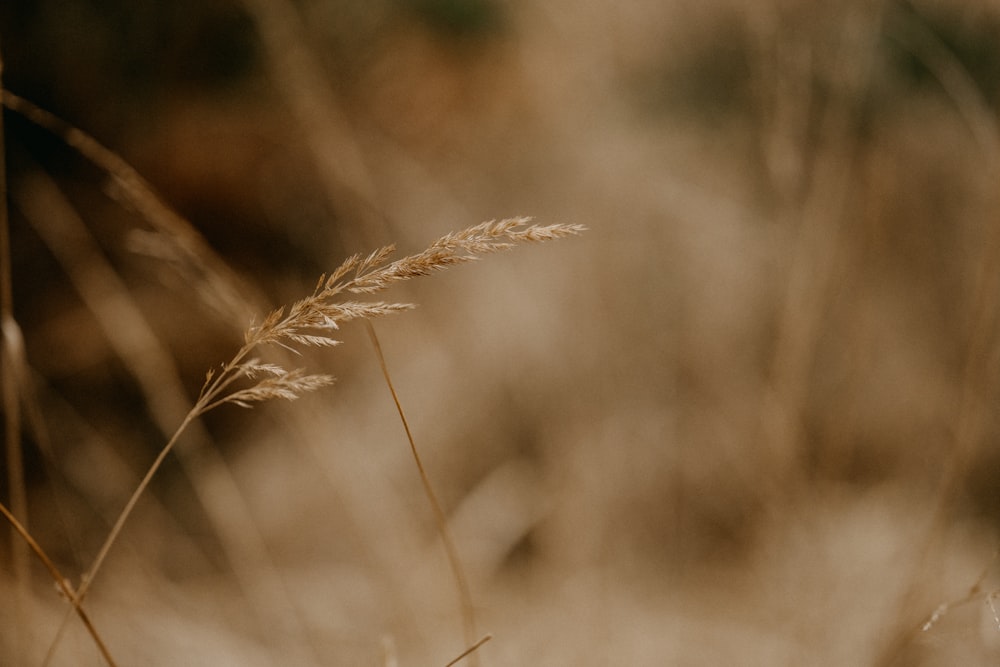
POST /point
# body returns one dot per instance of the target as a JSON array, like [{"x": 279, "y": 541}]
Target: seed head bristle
[{"x": 288, "y": 386}]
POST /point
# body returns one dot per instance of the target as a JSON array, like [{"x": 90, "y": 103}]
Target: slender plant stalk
[
  {"x": 469, "y": 651},
  {"x": 10, "y": 340},
  {"x": 64, "y": 587},
  {"x": 12, "y": 355},
  {"x": 102, "y": 554},
  {"x": 440, "y": 518}
]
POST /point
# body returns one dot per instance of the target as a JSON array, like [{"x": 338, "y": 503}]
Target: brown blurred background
[{"x": 747, "y": 418}]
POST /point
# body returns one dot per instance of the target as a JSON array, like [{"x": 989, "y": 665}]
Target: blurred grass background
[{"x": 748, "y": 418}]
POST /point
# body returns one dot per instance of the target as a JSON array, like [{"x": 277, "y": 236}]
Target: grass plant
[
  {"x": 313, "y": 322},
  {"x": 246, "y": 379}
]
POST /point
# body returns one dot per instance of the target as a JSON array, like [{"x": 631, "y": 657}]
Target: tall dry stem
[{"x": 440, "y": 518}]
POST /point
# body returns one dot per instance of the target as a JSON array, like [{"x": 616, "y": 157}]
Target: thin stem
[
  {"x": 206, "y": 402},
  {"x": 467, "y": 652},
  {"x": 225, "y": 377},
  {"x": 440, "y": 519},
  {"x": 61, "y": 581},
  {"x": 10, "y": 339},
  {"x": 88, "y": 577}
]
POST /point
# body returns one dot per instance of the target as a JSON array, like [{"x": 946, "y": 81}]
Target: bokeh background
[{"x": 748, "y": 418}]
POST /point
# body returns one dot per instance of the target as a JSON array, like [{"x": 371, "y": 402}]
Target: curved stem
[
  {"x": 88, "y": 577},
  {"x": 440, "y": 519}
]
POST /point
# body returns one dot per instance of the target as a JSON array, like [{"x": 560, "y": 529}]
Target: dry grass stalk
[
  {"x": 313, "y": 322},
  {"x": 440, "y": 518},
  {"x": 63, "y": 585},
  {"x": 11, "y": 353},
  {"x": 469, "y": 651}
]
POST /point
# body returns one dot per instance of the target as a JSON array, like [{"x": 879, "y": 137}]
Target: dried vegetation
[{"x": 747, "y": 418}]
